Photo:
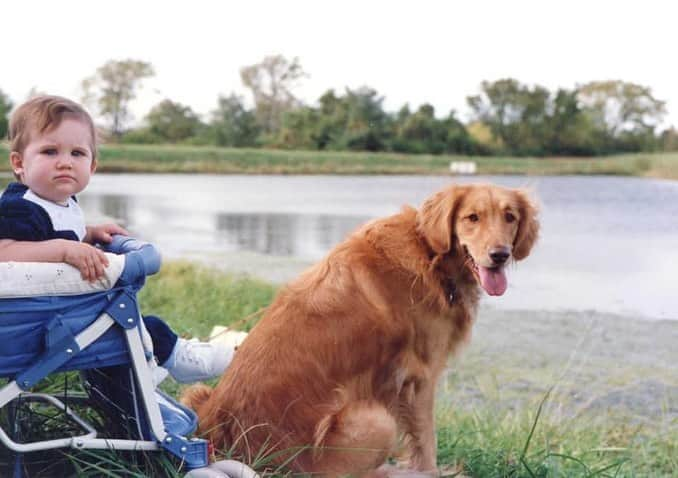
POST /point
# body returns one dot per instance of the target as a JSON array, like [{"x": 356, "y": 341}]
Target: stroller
[{"x": 59, "y": 323}]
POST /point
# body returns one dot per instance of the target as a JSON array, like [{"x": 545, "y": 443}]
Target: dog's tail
[{"x": 196, "y": 395}]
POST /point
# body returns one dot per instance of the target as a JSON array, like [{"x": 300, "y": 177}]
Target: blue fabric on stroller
[
  {"x": 29, "y": 326},
  {"x": 99, "y": 333}
]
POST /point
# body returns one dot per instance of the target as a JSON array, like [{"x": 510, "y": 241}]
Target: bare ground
[{"x": 594, "y": 362}]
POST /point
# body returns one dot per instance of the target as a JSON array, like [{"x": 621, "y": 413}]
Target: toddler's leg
[{"x": 164, "y": 339}]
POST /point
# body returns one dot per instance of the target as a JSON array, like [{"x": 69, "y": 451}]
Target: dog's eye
[
  {"x": 473, "y": 217},
  {"x": 510, "y": 217}
]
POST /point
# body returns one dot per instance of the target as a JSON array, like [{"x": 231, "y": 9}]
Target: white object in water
[{"x": 463, "y": 167}]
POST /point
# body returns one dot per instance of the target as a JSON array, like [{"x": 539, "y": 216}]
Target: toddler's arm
[{"x": 89, "y": 260}]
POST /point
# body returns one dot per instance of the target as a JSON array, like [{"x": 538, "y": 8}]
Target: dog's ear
[
  {"x": 528, "y": 228},
  {"x": 435, "y": 221}
]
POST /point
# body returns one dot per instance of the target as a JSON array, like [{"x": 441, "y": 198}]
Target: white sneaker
[{"x": 193, "y": 360}]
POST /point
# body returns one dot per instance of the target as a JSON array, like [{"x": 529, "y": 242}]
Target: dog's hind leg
[{"x": 354, "y": 441}]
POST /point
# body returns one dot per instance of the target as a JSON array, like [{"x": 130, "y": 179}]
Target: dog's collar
[{"x": 450, "y": 289}]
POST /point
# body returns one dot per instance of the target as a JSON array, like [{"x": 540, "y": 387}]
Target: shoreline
[
  {"x": 167, "y": 158},
  {"x": 279, "y": 270}
]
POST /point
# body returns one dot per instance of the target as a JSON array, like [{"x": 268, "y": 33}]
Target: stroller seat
[{"x": 47, "y": 327}]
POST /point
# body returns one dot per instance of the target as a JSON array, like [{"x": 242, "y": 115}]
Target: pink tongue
[{"x": 493, "y": 280}]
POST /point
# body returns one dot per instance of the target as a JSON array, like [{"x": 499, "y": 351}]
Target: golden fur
[{"x": 347, "y": 357}]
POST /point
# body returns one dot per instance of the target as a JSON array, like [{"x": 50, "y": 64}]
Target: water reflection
[
  {"x": 298, "y": 235},
  {"x": 117, "y": 206},
  {"x": 301, "y": 235}
]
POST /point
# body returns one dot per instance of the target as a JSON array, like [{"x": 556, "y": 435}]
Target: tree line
[{"x": 506, "y": 117}]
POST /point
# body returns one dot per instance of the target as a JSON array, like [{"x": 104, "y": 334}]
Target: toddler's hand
[
  {"x": 88, "y": 259},
  {"x": 103, "y": 233}
]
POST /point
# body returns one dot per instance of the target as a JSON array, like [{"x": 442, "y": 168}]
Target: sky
[{"x": 415, "y": 52}]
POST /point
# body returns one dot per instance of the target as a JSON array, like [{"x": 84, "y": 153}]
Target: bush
[{"x": 140, "y": 136}]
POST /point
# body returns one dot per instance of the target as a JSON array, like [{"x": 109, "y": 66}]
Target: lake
[{"x": 608, "y": 244}]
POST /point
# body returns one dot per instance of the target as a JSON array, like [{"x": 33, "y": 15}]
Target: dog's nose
[{"x": 499, "y": 255}]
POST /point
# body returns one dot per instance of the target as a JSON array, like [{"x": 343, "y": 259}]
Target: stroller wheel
[
  {"x": 224, "y": 469},
  {"x": 205, "y": 473}
]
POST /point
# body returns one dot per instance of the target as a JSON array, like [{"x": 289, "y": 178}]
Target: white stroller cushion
[{"x": 30, "y": 279}]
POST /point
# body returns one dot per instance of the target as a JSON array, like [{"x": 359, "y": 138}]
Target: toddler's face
[{"x": 58, "y": 163}]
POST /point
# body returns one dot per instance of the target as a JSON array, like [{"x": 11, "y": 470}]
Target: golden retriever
[{"x": 342, "y": 369}]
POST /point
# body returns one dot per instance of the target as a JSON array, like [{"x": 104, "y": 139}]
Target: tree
[
  {"x": 232, "y": 124},
  {"x": 331, "y": 120},
  {"x": 5, "y": 107},
  {"x": 271, "y": 82},
  {"x": 113, "y": 87},
  {"x": 484, "y": 142},
  {"x": 458, "y": 139},
  {"x": 172, "y": 122},
  {"x": 422, "y": 132},
  {"x": 366, "y": 122},
  {"x": 627, "y": 113},
  {"x": 355, "y": 121},
  {"x": 571, "y": 132},
  {"x": 619, "y": 106},
  {"x": 299, "y": 130},
  {"x": 516, "y": 114},
  {"x": 669, "y": 139}
]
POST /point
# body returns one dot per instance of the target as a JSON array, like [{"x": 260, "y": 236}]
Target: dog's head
[{"x": 488, "y": 225}]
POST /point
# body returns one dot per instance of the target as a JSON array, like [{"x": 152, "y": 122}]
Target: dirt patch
[{"x": 592, "y": 362}]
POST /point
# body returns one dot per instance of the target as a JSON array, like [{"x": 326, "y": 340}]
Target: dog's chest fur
[{"x": 438, "y": 331}]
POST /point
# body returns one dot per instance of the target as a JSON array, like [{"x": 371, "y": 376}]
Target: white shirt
[{"x": 67, "y": 217}]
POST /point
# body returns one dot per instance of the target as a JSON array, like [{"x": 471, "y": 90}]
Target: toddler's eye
[
  {"x": 49, "y": 151},
  {"x": 77, "y": 153},
  {"x": 510, "y": 217},
  {"x": 473, "y": 217}
]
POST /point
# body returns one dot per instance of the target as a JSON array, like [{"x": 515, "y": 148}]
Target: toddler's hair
[{"x": 44, "y": 113}]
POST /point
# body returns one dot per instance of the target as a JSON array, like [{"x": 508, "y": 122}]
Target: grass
[
  {"x": 204, "y": 159},
  {"x": 193, "y": 299},
  {"x": 530, "y": 442},
  {"x": 479, "y": 435}
]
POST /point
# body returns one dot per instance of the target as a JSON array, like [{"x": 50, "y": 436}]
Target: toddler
[{"x": 53, "y": 153}]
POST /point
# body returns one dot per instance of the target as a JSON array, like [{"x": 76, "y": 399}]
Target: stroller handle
[{"x": 141, "y": 258}]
